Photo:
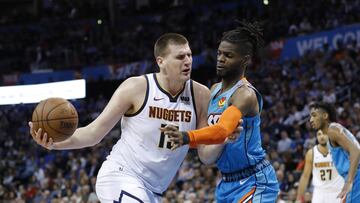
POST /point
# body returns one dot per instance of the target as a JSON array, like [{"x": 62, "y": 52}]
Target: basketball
[{"x": 57, "y": 117}]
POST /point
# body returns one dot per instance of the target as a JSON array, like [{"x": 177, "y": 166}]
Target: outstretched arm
[
  {"x": 304, "y": 180},
  {"x": 243, "y": 102},
  {"x": 121, "y": 102},
  {"x": 338, "y": 136}
]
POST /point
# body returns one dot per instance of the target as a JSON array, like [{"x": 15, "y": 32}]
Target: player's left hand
[
  {"x": 175, "y": 136},
  {"x": 347, "y": 188}
]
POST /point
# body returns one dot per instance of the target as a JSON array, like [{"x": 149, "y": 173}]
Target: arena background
[{"x": 312, "y": 53}]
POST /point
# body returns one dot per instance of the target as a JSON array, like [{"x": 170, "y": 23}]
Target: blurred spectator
[{"x": 284, "y": 143}]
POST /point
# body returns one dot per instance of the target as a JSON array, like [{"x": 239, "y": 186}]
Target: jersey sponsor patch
[{"x": 222, "y": 102}]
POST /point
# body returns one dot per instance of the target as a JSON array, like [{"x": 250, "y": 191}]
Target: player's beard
[{"x": 233, "y": 73}]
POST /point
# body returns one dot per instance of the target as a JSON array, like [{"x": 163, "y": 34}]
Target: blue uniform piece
[
  {"x": 342, "y": 164},
  {"x": 246, "y": 175}
]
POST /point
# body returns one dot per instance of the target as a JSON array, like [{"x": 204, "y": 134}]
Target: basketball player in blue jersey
[
  {"x": 344, "y": 148},
  {"x": 246, "y": 175}
]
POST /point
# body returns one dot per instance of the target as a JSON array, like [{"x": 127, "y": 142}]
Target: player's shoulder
[
  {"x": 199, "y": 86},
  {"x": 200, "y": 89},
  {"x": 310, "y": 151},
  {"x": 133, "y": 85},
  {"x": 335, "y": 126},
  {"x": 245, "y": 93},
  {"x": 310, "y": 154},
  {"x": 335, "y": 129},
  {"x": 136, "y": 81},
  {"x": 212, "y": 88}
]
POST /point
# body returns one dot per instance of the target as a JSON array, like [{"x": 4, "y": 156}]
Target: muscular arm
[
  {"x": 337, "y": 136},
  {"x": 208, "y": 154},
  {"x": 202, "y": 98},
  {"x": 242, "y": 102},
  {"x": 304, "y": 180},
  {"x": 242, "y": 99},
  {"x": 121, "y": 102}
]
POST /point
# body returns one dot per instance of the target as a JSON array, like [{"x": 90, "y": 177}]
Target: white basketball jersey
[
  {"x": 325, "y": 175},
  {"x": 143, "y": 148}
]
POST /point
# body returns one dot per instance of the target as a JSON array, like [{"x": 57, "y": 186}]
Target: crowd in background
[
  {"x": 72, "y": 34},
  {"x": 29, "y": 173}
]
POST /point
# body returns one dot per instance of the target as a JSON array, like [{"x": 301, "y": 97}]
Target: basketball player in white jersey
[
  {"x": 325, "y": 178},
  {"x": 141, "y": 165}
]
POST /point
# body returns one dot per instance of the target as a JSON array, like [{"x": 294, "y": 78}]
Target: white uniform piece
[
  {"x": 141, "y": 163},
  {"x": 326, "y": 180}
]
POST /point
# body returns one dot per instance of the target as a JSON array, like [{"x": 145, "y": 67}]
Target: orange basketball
[{"x": 57, "y": 117}]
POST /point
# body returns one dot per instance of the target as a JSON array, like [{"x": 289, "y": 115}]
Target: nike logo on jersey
[
  {"x": 158, "y": 99},
  {"x": 243, "y": 181}
]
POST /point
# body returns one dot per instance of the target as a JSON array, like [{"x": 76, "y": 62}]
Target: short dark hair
[
  {"x": 164, "y": 40},
  {"x": 248, "y": 35},
  {"x": 328, "y": 108}
]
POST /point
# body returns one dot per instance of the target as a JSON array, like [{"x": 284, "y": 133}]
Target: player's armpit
[{"x": 217, "y": 133}]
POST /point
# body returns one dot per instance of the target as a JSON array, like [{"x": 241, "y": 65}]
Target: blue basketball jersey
[
  {"x": 342, "y": 164},
  {"x": 248, "y": 146},
  {"x": 339, "y": 155}
]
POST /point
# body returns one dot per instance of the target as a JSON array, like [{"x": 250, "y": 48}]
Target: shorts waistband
[{"x": 246, "y": 172}]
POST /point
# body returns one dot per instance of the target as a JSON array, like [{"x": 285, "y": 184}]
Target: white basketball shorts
[{"x": 115, "y": 184}]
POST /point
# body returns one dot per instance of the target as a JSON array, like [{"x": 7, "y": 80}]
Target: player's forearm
[
  {"x": 216, "y": 134},
  {"x": 302, "y": 186},
  {"x": 82, "y": 137},
  {"x": 209, "y": 154},
  {"x": 354, "y": 163}
]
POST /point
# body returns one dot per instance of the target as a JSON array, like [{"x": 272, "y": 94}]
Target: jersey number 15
[{"x": 163, "y": 142}]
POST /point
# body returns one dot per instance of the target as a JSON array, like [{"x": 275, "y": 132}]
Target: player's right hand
[
  {"x": 345, "y": 190},
  {"x": 300, "y": 200},
  {"x": 41, "y": 138},
  {"x": 236, "y": 134}
]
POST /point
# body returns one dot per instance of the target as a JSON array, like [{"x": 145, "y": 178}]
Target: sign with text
[{"x": 298, "y": 46}]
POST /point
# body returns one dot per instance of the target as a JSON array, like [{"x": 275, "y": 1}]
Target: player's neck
[
  {"x": 229, "y": 82},
  {"x": 323, "y": 149},
  {"x": 171, "y": 86},
  {"x": 325, "y": 127}
]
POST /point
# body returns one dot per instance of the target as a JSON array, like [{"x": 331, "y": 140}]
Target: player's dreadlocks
[{"x": 248, "y": 35}]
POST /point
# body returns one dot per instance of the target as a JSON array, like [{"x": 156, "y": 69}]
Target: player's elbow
[{"x": 207, "y": 160}]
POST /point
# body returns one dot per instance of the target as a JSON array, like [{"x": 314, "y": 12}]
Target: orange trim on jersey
[
  {"x": 217, "y": 133},
  {"x": 252, "y": 191}
]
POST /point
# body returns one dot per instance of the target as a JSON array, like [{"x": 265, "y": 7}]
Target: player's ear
[
  {"x": 325, "y": 115},
  {"x": 159, "y": 60},
  {"x": 246, "y": 60}
]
